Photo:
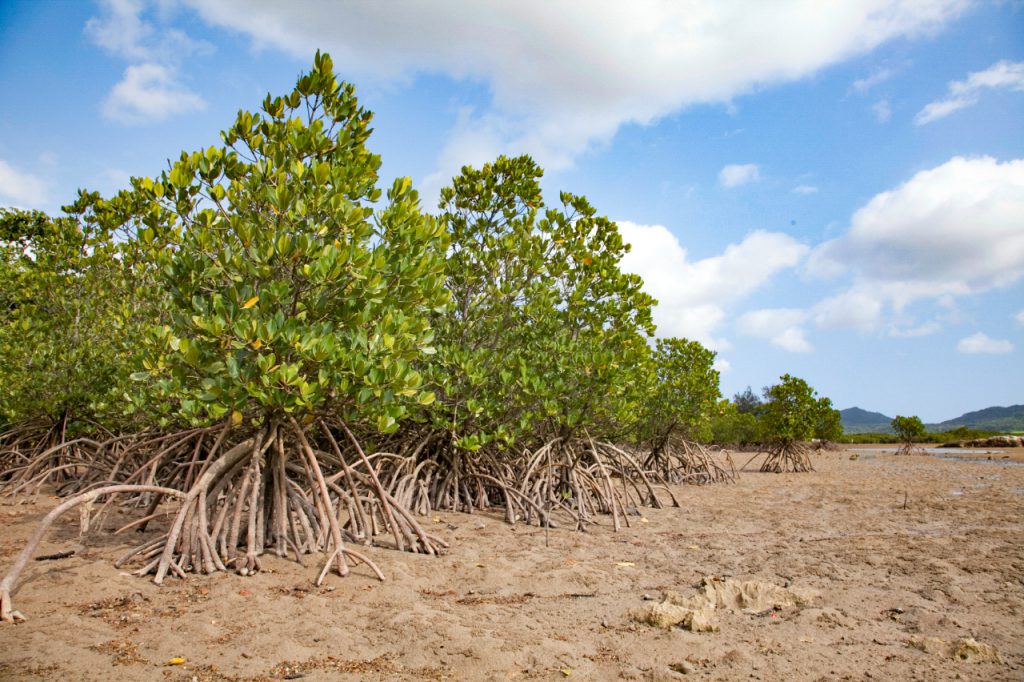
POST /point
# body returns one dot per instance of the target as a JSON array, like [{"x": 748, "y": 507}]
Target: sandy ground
[{"x": 895, "y": 551}]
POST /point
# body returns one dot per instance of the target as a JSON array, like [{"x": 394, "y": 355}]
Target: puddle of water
[
  {"x": 975, "y": 460},
  {"x": 996, "y": 456},
  {"x": 953, "y": 454}
]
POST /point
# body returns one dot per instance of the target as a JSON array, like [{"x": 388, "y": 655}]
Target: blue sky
[{"x": 833, "y": 190}]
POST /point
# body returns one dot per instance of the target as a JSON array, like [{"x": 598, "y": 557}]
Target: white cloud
[
  {"x": 781, "y": 326},
  {"x": 966, "y": 93},
  {"x": 924, "y": 329},
  {"x": 692, "y": 296},
  {"x": 851, "y": 309},
  {"x": 149, "y": 93},
  {"x": 949, "y": 231},
  {"x": 1020, "y": 317},
  {"x": 563, "y": 77},
  {"x": 723, "y": 366},
  {"x": 862, "y": 85},
  {"x": 736, "y": 175},
  {"x": 882, "y": 110},
  {"x": 21, "y": 188},
  {"x": 150, "y": 90},
  {"x": 122, "y": 30},
  {"x": 805, "y": 189},
  {"x": 981, "y": 343},
  {"x": 940, "y": 109}
]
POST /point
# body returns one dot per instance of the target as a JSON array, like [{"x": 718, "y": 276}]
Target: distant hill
[
  {"x": 990, "y": 419},
  {"x": 1002, "y": 419},
  {"x": 856, "y": 420}
]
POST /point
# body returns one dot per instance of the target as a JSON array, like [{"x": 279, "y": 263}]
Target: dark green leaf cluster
[
  {"x": 683, "y": 394},
  {"x": 730, "y": 426},
  {"x": 792, "y": 411},
  {"x": 747, "y": 402},
  {"x": 544, "y": 329},
  {"x": 66, "y": 315},
  {"x": 908, "y": 429},
  {"x": 270, "y": 275},
  {"x": 284, "y": 289},
  {"x": 828, "y": 425}
]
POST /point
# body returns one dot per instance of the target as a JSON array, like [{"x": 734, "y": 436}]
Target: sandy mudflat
[{"x": 894, "y": 591}]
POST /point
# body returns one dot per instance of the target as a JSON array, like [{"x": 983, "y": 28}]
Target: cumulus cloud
[
  {"x": 736, "y": 175},
  {"x": 693, "y": 295},
  {"x": 149, "y": 93},
  {"x": 805, "y": 189},
  {"x": 851, "y": 309},
  {"x": 982, "y": 343},
  {"x": 150, "y": 90},
  {"x": 1020, "y": 317},
  {"x": 565, "y": 76},
  {"x": 21, "y": 188},
  {"x": 953, "y": 230},
  {"x": 781, "y": 326},
  {"x": 1004, "y": 75}
]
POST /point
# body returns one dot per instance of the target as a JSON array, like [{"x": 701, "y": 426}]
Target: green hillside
[
  {"x": 856, "y": 420},
  {"x": 1001, "y": 419}
]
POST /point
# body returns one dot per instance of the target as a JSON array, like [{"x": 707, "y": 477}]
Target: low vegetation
[{"x": 954, "y": 436}]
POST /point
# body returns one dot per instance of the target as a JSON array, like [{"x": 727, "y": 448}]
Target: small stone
[{"x": 683, "y": 667}]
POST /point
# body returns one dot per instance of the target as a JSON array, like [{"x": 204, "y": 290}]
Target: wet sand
[{"x": 903, "y": 560}]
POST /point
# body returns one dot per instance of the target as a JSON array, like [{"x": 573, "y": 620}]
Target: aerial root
[
  {"x": 909, "y": 449},
  {"x": 787, "y": 458},
  {"x": 576, "y": 478},
  {"x": 293, "y": 490},
  {"x": 683, "y": 461},
  {"x": 38, "y": 453},
  {"x": 7, "y": 614}
]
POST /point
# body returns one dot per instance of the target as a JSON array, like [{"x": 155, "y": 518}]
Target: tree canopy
[
  {"x": 790, "y": 411},
  {"x": 909, "y": 430},
  {"x": 544, "y": 327},
  {"x": 284, "y": 289},
  {"x": 828, "y": 425},
  {"x": 684, "y": 395},
  {"x": 67, "y": 326},
  {"x": 747, "y": 402},
  {"x": 791, "y": 415}
]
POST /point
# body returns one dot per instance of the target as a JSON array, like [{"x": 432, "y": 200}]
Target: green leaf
[{"x": 322, "y": 172}]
